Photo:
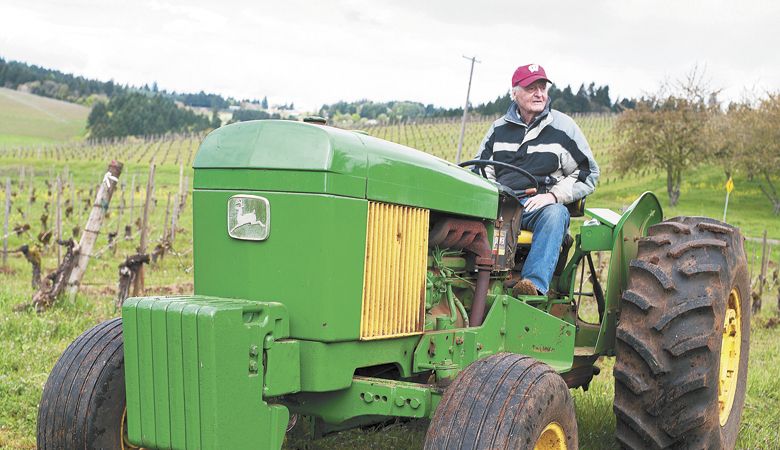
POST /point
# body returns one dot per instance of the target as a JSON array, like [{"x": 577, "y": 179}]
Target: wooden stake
[
  {"x": 58, "y": 219},
  {"x": 5, "y": 221},
  {"x": 167, "y": 215},
  {"x": 129, "y": 228},
  {"x": 184, "y": 193},
  {"x": 92, "y": 227},
  {"x": 138, "y": 282},
  {"x": 762, "y": 277},
  {"x": 31, "y": 190},
  {"x": 174, "y": 220},
  {"x": 115, "y": 243}
]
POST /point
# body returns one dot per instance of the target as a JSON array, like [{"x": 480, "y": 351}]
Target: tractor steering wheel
[{"x": 489, "y": 162}]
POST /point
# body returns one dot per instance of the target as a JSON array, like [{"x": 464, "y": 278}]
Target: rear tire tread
[{"x": 688, "y": 282}]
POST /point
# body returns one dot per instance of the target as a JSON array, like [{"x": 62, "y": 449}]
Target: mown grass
[
  {"x": 31, "y": 119},
  {"x": 31, "y": 343}
]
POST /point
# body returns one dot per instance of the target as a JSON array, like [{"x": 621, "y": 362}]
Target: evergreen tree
[{"x": 136, "y": 114}]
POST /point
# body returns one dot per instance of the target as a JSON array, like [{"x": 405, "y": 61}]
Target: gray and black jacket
[{"x": 552, "y": 148}]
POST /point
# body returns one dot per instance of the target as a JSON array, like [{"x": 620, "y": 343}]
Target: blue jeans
[{"x": 549, "y": 225}]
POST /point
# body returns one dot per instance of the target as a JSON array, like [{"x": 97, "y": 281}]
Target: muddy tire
[
  {"x": 686, "y": 305},
  {"x": 83, "y": 401},
  {"x": 504, "y": 401}
]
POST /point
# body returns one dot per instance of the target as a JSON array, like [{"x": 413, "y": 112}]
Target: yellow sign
[{"x": 729, "y": 185}]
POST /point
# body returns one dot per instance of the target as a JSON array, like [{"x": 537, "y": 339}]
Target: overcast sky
[{"x": 315, "y": 52}]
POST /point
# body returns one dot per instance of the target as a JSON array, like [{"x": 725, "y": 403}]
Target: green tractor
[{"x": 352, "y": 280}]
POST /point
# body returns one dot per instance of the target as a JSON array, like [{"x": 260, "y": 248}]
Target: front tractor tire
[
  {"x": 505, "y": 401},
  {"x": 683, "y": 338},
  {"x": 83, "y": 402}
]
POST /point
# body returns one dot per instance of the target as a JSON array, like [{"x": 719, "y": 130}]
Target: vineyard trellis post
[
  {"x": 5, "y": 220},
  {"x": 761, "y": 276},
  {"x": 138, "y": 282},
  {"x": 129, "y": 228},
  {"x": 31, "y": 192},
  {"x": 94, "y": 222},
  {"x": 58, "y": 219},
  {"x": 167, "y": 216},
  {"x": 121, "y": 207}
]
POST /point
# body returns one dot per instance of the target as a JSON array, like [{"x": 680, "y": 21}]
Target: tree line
[
  {"x": 120, "y": 110},
  {"x": 586, "y": 99},
  {"x": 136, "y": 113},
  {"x": 78, "y": 89}
]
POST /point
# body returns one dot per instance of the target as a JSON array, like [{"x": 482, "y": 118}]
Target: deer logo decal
[{"x": 248, "y": 217}]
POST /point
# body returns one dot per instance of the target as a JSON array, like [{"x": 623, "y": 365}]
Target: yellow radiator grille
[{"x": 394, "y": 277}]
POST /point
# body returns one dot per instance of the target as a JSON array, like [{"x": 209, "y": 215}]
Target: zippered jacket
[{"x": 552, "y": 148}]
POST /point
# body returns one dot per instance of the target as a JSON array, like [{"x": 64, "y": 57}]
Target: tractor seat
[{"x": 576, "y": 209}]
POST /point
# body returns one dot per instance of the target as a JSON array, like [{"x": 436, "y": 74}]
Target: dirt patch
[
  {"x": 7, "y": 271},
  {"x": 170, "y": 289}
]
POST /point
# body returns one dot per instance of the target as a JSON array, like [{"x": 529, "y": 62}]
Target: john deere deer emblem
[{"x": 248, "y": 217}]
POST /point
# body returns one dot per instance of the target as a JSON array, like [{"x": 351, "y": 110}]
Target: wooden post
[
  {"x": 79, "y": 209},
  {"x": 5, "y": 220},
  {"x": 762, "y": 277},
  {"x": 31, "y": 192},
  {"x": 167, "y": 215},
  {"x": 138, "y": 282},
  {"x": 184, "y": 194},
  {"x": 174, "y": 220},
  {"x": 58, "y": 219},
  {"x": 115, "y": 242},
  {"x": 129, "y": 228},
  {"x": 92, "y": 227},
  {"x": 752, "y": 264},
  {"x": 177, "y": 204}
]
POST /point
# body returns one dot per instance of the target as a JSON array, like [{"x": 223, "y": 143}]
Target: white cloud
[{"x": 315, "y": 52}]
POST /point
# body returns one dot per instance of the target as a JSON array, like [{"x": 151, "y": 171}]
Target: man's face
[{"x": 532, "y": 98}]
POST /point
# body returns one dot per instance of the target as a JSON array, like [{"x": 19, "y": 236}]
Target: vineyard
[
  {"x": 52, "y": 190},
  {"x": 49, "y": 192}
]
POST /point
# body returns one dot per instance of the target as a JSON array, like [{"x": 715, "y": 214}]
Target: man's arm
[
  {"x": 486, "y": 152},
  {"x": 580, "y": 170}
]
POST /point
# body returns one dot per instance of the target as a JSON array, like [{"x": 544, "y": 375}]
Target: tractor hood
[{"x": 287, "y": 156}]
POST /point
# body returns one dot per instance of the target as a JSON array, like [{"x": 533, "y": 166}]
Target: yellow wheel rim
[
  {"x": 126, "y": 445},
  {"x": 552, "y": 438},
  {"x": 729, "y": 356}
]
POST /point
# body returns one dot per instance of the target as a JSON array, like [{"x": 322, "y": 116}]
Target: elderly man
[{"x": 549, "y": 145}]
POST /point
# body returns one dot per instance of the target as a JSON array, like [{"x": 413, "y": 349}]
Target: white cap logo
[{"x": 533, "y": 68}]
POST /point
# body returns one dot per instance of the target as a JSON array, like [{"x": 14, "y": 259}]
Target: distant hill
[{"x": 27, "y": 118}]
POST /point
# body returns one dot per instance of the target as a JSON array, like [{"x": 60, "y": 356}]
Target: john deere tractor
[{"x": 349, "y": 280}]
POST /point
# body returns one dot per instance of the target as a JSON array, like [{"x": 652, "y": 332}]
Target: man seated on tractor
[{"x": 548, "y": 144}]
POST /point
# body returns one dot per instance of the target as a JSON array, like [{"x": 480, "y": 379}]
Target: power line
[{"x": 473, "y": 60}]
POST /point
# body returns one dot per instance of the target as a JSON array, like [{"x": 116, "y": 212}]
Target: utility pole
[{"x": 473, "y": 60}]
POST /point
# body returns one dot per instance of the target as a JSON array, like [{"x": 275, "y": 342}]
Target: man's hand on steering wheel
[{"x": 481, "y": 163}]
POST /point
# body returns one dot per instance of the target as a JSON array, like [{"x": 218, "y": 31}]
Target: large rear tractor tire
[
  {"x": 83, "y": 403},
  {"x": 683, "y": 338},
  {"x": 505, "y": 401}
]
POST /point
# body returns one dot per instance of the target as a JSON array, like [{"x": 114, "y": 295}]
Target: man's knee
[{"x": 556, "y": 213}]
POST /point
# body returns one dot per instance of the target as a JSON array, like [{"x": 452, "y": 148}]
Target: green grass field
[
  {"x": 31, "y": 119},
  {"x": 31, "y": 343}
]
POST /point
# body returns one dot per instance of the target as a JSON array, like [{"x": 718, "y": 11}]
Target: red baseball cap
[{"x": 525, "y": 75}]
